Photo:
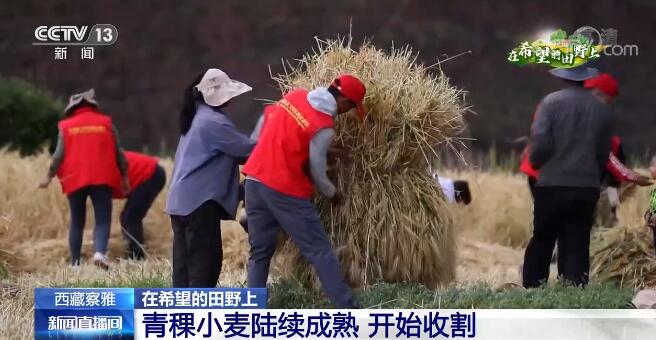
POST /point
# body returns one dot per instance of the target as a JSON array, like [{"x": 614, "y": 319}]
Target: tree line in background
[
  {"x": 139, "y": 81},
  {"x": 28, "y": 117}
]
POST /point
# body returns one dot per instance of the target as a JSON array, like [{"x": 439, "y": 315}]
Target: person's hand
[
  {"x": 331, "y": 172},
  {"x": 643, "y": 181},
  {"x": 338, "y": 152},
  {"x": 650, "y": 218},
  {"x": 125, "y": 186},
  {"x": 337, "y": 198},
  {"x": 45, "y": 182}
]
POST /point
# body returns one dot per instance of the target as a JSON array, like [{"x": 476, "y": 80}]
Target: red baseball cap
[
  {"x": 353, "y": 89},
  {"x": 603, "y": 82}
]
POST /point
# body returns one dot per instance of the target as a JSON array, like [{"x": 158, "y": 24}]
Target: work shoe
[{"x": 101, "y": 261}]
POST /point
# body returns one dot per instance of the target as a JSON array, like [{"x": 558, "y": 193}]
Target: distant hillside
[{"x": 163, "y": 44}]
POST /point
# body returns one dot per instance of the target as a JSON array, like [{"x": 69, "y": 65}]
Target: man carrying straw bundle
[{"x": 295, "y": 136}]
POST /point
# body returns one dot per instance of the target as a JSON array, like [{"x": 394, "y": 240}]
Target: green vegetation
[
  {"x": 596, "y": 296},
  {"x": 28, "y": 116}
]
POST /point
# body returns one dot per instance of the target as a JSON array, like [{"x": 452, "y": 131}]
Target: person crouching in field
[
  {"x": 205, "y": 186},
  {"x": 455, "y": 191},
  {"x": 147, "y": 178},
  {"x": 88, "y": 162}
]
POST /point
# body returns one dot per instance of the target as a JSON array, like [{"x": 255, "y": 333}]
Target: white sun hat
[
  {"x": 217, "y": 88},
  {"x": 88, "y": 96},
  {"x": 645, "y": 299}
]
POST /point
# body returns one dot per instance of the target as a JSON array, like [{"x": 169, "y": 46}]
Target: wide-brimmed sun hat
[
  {"x": 217, "y": 88},
  {"x": 579, "y": 73},
  {"x": 88, "y": 96}
]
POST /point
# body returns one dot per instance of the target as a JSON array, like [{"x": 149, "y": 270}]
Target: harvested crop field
[{"x": 489, "y": 241}]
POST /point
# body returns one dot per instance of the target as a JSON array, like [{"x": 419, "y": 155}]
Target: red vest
[
  {"x": 282, "y": 151},
  {"x": 140, "y": 168},
  {"x": 89, "y": 151}
]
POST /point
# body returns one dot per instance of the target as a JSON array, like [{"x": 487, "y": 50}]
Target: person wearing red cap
[
  {"x": 289, "y": 160},
  {"x": 604, "y": 86}
]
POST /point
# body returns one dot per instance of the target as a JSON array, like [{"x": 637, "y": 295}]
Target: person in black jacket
[{"x": 570, "y": 144}]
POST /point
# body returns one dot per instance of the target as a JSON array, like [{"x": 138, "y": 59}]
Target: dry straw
[
  {"x": 394, "y": 224},
  {"x": 626, "y": 256}
]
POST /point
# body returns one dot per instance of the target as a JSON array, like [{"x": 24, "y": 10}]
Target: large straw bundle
[
  {"x": 624, "y": 255},
  {"x": 394, "y": 224}
]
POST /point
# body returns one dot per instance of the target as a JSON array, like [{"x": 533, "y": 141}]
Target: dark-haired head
[
  {"x": 188, "y": 111},
  {"x": 81, "y": 104},
  {"x": 573, "y": 82},
  {"x": 463, "y": 195},
  {"x": 189, "y": 104},
  {"x": 343, "y": 104}
]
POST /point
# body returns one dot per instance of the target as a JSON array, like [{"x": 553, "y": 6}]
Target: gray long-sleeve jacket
[{"x": 570, "y": 138}]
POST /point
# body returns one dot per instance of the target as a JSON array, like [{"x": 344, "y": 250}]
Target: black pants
[
  {"x": 531, "y": 185},
  {"x": 564, "y": 215},
  {"x": 136, "y": 207},
  {"x": 101, "y": 198},
  {"x": 197, "y": 250}
]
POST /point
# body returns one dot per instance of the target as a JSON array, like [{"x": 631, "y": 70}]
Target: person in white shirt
[{"x": 455, "y": 191}]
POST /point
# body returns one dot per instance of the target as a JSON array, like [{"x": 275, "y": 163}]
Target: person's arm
[
  {"x": 224, "y": 137},
  {"x": 625, "y": 174},
  {"x": 255, "y": 135},
  {"x": 541, "y": 143},
  {"x": 319, "y": 146},
  {"x": 57, "y": 156},
  {"x": 120, "y": 157},
  {"x": 604, "y": 147}
]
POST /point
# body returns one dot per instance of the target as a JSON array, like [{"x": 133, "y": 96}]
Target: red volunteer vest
[
  {"x": 282, "y": 151},
  {"x": 89, "y": 151},
  {"x": 140, "y": 169}
]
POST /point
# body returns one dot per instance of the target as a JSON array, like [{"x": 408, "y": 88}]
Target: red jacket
[
  {"x": 140, "y": 168},
  {"x": 89, "y": 151},
  {"x": 282, "y": 151}
]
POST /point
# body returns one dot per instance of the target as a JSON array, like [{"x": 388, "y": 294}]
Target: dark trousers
[
  {"x": 136, "y": 207},
  {"x": 564, "y": 215},
  {"x": 531, "y": 185},
  {"x": 268, "y": 211},
  {"x": 197, "y": 250},
  {"x": 101, "y": 197}
]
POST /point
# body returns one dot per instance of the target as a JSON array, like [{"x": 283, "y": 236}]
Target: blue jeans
[
  {"x": 268, "y": 211},
  {"x": 101, "y": 197}
]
